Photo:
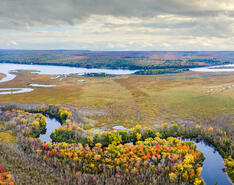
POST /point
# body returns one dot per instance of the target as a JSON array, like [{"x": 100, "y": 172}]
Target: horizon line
[{"x": 87, "y": 50}]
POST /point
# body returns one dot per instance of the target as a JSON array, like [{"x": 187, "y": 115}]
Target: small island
[
  {"x": 160, "y": 71},
  {"x": 98, "y": 75}
]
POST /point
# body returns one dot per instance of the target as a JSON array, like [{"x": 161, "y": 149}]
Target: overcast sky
[{"x": 117, "y": 24}]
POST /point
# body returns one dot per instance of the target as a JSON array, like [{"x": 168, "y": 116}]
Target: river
[
  {"x": 7, "y": 68},
  {"x": 212, "y": 165},
  {"x": 220, "y": 68}
]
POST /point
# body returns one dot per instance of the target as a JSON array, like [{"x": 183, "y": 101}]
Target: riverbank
[
  {"x": 9, "y": 69},
  {"x": 90, "y": 174},
  {"x": 38, "y": 68},
  {"x": 213, "y": 172},
  {"x": 136, "y": 135},
  {"x": 133, "y": 60},
  {"x": 221, "y": 68}
]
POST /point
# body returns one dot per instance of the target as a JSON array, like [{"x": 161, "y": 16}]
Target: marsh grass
[
  {"x": 6, "y": 136},
  {"x": 149, "y": 100},
  {"x": 2, "y": 76}
]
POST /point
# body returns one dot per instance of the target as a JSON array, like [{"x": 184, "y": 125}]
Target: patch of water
[
  {"x": 119, "y": 127},
  {"x": 51, "y": 125},
  {"x": 6, "y": 68},
  {"x": 41, "y": 85},
  {"x": 15, "y": 90},
  {"x": 212, "y": 165},
  {"x": 221, "y": 68}
]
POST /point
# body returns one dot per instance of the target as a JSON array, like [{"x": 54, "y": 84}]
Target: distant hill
[{"x": 119, "y": 59}]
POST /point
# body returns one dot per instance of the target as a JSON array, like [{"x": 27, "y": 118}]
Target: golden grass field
[
  {"x": 130, "y": 100},
  {"x": 1, "y": 76},
  {"x": 6, "y": 136}
]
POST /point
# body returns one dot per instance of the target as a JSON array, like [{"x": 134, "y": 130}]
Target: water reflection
[
  {"x": 6, "y": 68},
  {"x": 51, "y": 125},
  {"x": 213, "y": 164}
]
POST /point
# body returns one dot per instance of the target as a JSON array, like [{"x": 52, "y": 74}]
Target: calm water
[
  {"x": 15, "y": 90},
  {"x": 41, "y": 85},
  {"x": 220, "y": 68},
  {"x": 6, "y": 68},
  {"x": 118, "y": 127},
  {"x": 51, "y": 125},
  {"x": 213, "y": 164}
]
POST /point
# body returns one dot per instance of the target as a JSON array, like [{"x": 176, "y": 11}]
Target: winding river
[
  {"x": 7, "y": 68},
  {"x": 212, "y": 165},
  {"x": 61, "y": 71}
]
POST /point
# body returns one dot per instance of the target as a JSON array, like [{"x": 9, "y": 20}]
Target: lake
[
  {"x": 6, "y": 68},
  {"x": 220, "y": 68}
]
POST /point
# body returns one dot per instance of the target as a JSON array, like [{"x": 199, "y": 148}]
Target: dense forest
[
  {"x": 79, "y": 156},
  {"x": 134, "y": 60},
  {"x": 160, "y": 71}
]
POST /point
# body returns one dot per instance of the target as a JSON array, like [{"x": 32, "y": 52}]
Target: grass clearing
[
  {"x": 130, "y": 100},
  {"x": 7, "y": 136}
]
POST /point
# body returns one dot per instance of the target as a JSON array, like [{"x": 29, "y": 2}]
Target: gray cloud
[
  {"x": 117, "y": 24},
  {"x": 30, "y": 13}
]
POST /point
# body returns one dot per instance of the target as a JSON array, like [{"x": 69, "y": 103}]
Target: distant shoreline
[{"x": 93, "y": 67}]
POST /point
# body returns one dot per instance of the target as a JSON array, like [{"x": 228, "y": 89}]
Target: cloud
[
  {"x": 12, "y": 43},
  {"x": 28, "y": 13},
  {"x": 117, "y": 24}
]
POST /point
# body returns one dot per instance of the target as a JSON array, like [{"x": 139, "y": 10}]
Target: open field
[{"x": 130, "y": 100}]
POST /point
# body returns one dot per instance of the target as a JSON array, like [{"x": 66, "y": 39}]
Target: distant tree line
[{"x": 160, "y": 71}]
